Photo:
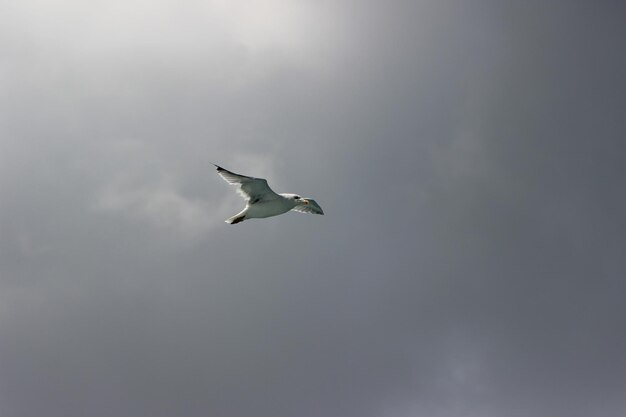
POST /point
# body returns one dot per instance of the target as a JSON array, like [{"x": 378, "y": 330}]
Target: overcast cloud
[{"x": 470, "y": 158}]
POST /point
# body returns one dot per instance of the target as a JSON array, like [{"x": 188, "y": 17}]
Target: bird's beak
[{"x": 305, "y": 201}]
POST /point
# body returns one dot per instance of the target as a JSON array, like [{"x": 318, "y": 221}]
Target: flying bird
[{"x": 262, "y": 201}]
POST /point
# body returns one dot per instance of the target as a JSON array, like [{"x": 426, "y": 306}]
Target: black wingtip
[{"x": 238, "y": 219}]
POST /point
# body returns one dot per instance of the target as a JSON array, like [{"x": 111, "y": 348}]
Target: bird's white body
[
  {"x": 262, "y": 202},
  {"x": 263, "y": 209}
]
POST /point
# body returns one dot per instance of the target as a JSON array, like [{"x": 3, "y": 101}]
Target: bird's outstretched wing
[
  {"x": 252, "y": 189},
  {"x": 312, "y": 207}
]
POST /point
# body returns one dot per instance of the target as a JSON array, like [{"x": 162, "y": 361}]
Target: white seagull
[{"x": 262, "y": 201}]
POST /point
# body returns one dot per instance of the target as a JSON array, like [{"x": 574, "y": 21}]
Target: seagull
[{"x": 262, "y": 201}]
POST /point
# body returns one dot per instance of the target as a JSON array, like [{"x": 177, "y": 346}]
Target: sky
[{"x": 469, "y": 157}]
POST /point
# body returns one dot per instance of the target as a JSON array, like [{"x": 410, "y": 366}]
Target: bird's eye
[{"x": 297, "y": 197}]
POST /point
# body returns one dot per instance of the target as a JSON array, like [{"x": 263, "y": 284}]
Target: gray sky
[{"x": 469, "y": 157}]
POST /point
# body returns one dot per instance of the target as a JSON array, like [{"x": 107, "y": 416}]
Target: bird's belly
[{"x": 267, "y": 209}]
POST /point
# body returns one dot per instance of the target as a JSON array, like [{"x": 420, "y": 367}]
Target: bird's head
[{"x": 297, "y": 199}]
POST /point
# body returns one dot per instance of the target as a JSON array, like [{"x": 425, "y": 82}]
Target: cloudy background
[{"x": 470, "y": 158}]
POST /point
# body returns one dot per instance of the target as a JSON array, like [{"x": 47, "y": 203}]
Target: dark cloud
[{"x": 469, "y": 159}]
